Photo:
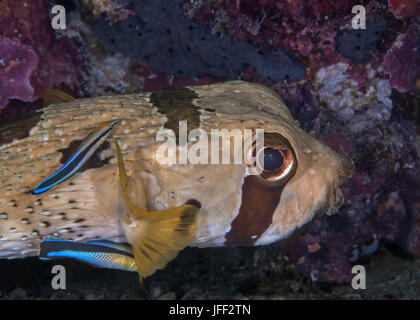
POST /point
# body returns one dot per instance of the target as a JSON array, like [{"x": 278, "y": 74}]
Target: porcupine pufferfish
[{"x": 128, "y": 196}]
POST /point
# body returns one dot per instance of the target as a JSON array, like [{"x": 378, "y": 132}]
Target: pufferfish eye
[
  {"x": 272, "y": 158},
  {"x": 276, "y": 161}
]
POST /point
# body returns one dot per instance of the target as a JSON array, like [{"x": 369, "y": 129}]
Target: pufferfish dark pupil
[{"x": 273, "y": 158}]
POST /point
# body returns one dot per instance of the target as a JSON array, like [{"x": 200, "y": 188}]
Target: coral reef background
[{"x": 356, "y": 90}]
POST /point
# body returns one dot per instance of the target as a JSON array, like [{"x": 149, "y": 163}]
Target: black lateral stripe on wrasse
[
  {"x": 93, "y": 162},
  {"x": 19, "y": 128},
  {"x": 78, "y": 158},
  {"x": 177, "y": 104}
]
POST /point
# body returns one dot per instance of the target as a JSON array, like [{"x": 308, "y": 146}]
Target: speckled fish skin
[{"x": 89, "y": 205}]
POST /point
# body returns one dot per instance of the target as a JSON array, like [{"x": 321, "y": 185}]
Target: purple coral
[
  {"x": 401, "y": 60},
  {"x": 404, "y": 8},
  {"x": 17, "y": 62},
  {"x": 55, "y": 60}
]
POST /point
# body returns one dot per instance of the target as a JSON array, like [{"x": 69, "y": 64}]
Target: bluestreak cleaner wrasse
[
  {"x": 121, "y": 193},
  {"x": 78, "y": 158},
  {"x": 97, "y": 253}
]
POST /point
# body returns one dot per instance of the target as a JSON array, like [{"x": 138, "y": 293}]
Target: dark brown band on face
[{"x": 259, "y": 201}]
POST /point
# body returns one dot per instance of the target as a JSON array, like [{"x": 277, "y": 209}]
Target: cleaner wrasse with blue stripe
[
  {"x": 78, "y": 158},
  {"x": 99, "y": 254},
  {"x": 128, "y": 196}
]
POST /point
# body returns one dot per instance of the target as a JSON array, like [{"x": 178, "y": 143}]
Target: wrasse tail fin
[
  {"x": 163, "y": 233},
  {"x": 82, "y": 154},
  {"x": 53, "y": 96},
  {"x": 101, "y": 254}
]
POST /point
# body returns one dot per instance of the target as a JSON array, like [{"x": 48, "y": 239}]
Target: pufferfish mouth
[{"x": 261, "y": 192}]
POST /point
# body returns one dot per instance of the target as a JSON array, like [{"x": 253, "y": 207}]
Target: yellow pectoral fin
[
  {"x": 167, "y": 233},
  {"x": 122, "y": 176},
  {"x": 155, "y": 236}
]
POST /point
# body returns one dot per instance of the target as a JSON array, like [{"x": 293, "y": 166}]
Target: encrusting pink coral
[
  {"x": 400, "y": 59},
  {"x": 404, "y": 8},
  {"x": 58, "y": 59},
  {"x": 17, "y": 62}
]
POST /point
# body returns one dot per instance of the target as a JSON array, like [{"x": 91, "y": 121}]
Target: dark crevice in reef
[{"x": 170, "y": 42}]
